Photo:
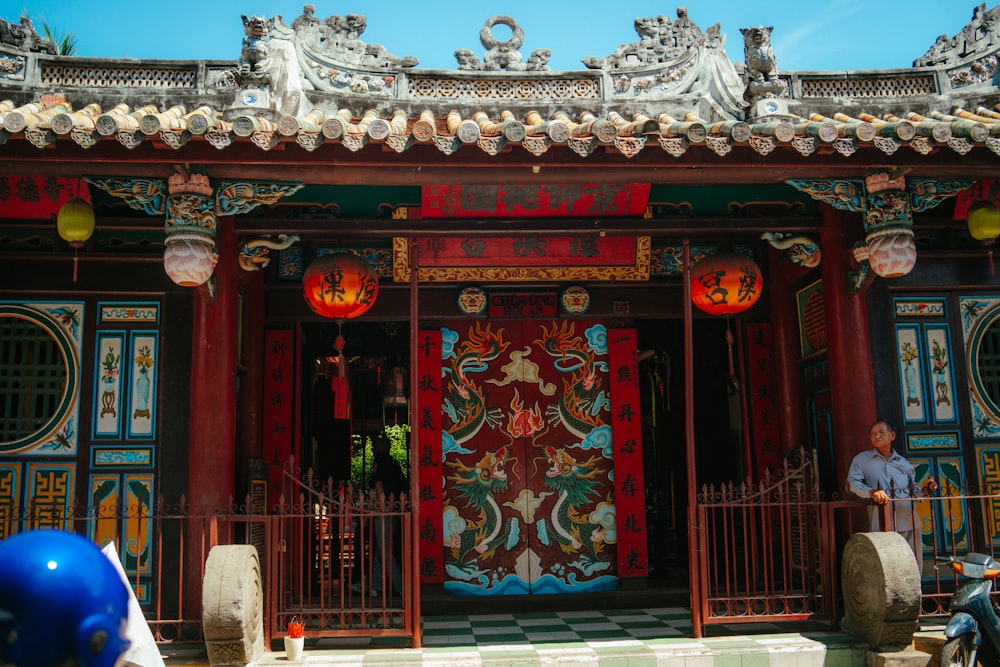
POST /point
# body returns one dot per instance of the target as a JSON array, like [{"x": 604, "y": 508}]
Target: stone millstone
[
  {"x": 881, "y": 585},
  {"x": 233, "y": 605}
]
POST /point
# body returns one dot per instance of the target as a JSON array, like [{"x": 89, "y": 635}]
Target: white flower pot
[{"x": 293, "y": 648}]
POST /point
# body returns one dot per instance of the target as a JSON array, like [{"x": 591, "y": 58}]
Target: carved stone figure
[
  {"x": 979, "y": 38},
  {"x": 307, "y": 19},
  {"x": 337, "y": 38},
  {"x": 660, "y": 40},
  {"x": 268, "y": 72},
  {"x": 467, "y": 60},
  {"x": 25, "y": 37},
  {"x": 254, "y": 59},
  {"x": 761, "y": 67},
  {"x": 502, "y": 55},
  {"x": 760, "y": 61},
  {"x": 538, "y": 61}
]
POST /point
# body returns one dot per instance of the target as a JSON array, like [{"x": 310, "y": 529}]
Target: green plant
[
  {"x": 65, "y": 43},
  {"x": 361, "y": 454}
]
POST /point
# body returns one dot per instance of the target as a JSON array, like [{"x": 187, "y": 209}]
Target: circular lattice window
[
  {"x": 38, "y": 380},
  {"x": 984, "y": 363}
]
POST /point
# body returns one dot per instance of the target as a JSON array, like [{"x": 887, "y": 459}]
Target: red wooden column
[
  {"x": 785, "y": 339},
  {"x": 212, "y": 442},
  {"x": 852, "y": 383},
  {"x": 251, "y": 444}
]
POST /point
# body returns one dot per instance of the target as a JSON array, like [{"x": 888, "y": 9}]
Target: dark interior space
[{"x": 377, "y": 357}]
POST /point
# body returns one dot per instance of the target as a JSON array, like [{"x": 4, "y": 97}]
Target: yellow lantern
[
  {"x": 984, "y": 221},
  {"x": 75, "y": 224}
]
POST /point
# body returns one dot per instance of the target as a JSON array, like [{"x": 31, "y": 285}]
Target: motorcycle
[{"x": 973, "y": 617}]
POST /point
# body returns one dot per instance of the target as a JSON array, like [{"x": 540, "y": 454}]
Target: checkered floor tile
[
  {"x": 582, "y": 628},
  {"x": 611, "y": 638}
]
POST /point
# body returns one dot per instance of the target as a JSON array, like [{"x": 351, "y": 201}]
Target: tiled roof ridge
[{"x": 52, "y": 120}]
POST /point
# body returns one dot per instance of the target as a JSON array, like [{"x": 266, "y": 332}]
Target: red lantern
[
  {"x": 725, "y": 284},
  {"x": 340, "y": 285}
]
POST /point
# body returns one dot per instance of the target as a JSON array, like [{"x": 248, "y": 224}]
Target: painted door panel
[{"x": 528, "y": 501}]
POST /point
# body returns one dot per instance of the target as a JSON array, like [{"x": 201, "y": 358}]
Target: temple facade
[{"x": 585, "y": 294}]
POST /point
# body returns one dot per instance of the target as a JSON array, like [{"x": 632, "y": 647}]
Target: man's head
[
  {"x": 380, "y": 444},
  {"x": 881, "y": 433}
]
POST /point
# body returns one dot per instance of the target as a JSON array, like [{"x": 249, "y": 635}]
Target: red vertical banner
[
  {"x": 427, "y": 416},
  {"x": 340, "y": 384},
  {"x": 763, "y": 398},
  {"x": 278, "y": 397},
  {"x": 626, "y": 425}
]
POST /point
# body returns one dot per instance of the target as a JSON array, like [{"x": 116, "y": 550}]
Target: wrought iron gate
[
  {"x": 325, "y": 572},
  {"x": 767, "y": 549}
]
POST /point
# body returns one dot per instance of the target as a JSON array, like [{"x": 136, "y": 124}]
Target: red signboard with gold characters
[
  {"x": 623, "y": 380},
  {"x": 524, "y": 258},
  {"x": 278, "y": 379},
  {"x": 427, "y": 422},
  {"x": 534, "y": 200}
]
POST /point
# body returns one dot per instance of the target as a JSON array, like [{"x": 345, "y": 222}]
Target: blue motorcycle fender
[{"x": 961, "y": 623}]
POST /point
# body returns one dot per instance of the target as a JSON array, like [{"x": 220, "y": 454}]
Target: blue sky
[{"x": 820, "y": 35}]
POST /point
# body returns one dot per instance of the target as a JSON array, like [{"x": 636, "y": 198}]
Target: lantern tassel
[
  {"x": 989, "y": 252},
  {"x": 76, "y": 261},
  {"x": 729, "y": 344},
  {"x": 339, "y": 341}
]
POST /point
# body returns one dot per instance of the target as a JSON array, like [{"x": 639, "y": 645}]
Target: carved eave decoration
[{"x": 887, "y": 199}]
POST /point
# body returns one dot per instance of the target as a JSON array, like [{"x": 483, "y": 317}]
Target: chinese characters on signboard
[
  {"x": 427, "y": 415},
  {"x": 522, "y": 258},
  {"x": 541, "y": 200},
  {"x": 763, "y": 396},
  {"x": 278, "y": 357},
  {"x": 626, "y": 423}
]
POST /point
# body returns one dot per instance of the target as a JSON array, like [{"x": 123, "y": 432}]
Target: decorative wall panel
[
  {"x": 981, "y": 329},
  {"x": 122, "y": 504},
  {"x": 911, "y": 374},
  {"x": 529, "y": 501},
  {"x": 50, "y": 487},
  {"x": 128, "y": 313},
  {"x": 953, "y": 533},
  {"x": 10, "y": 494},
  {"x": 941, "y": 366},
  {"x": 108, "y": 400},
  {"x": 988, "y": 459},
  {"x": 54, "y": 331},
  {"x": 144, "y": 359},
  {"x": 121, "y": 457}
]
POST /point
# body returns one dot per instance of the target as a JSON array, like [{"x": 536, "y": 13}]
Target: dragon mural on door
[{"x": 528, "y": 484}]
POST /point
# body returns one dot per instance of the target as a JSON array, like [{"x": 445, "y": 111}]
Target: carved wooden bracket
[
  {"x": 888, "y": 200},
  {"x": 191, "y": 204}
]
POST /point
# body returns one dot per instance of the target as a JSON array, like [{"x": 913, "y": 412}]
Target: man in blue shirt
[{"x": 882, "y": 473}]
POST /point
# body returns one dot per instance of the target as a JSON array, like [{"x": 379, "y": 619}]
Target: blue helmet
[{"x": 62, "y": 602}]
